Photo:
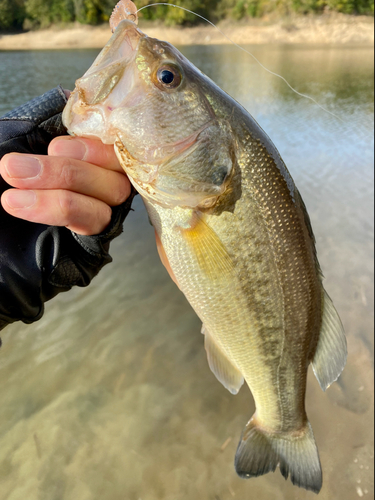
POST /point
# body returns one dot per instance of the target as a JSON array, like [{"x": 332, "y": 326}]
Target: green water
[{"x": 109, "y": 396}]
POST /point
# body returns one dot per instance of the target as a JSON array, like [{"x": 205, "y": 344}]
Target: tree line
[{"x": 18, "y": 14}]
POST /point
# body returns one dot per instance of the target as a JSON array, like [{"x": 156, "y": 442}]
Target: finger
[
  {"x": 79, "y": 213},
  {"x": 47, "y": 172},
  {"x": 90, "y": 150}
]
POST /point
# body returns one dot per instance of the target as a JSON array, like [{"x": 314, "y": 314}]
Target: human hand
[{"x": 74, "y": 186}]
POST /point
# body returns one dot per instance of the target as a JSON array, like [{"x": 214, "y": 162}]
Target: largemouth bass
[{"x": 234, "y": 230}]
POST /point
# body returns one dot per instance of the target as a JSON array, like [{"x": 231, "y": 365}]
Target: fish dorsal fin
[
  {"x": 331, "y": 353},
  {"x": 211, "y": 254},
  {"x": 221, "y": 366}
]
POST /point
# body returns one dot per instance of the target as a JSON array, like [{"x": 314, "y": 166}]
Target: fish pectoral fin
[
  {"x": 211, "y": 254},
  {"x": 221, "y": 366},
  {"x": 331, "y": 353}
]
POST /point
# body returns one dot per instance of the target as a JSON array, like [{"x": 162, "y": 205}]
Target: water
[{"x": 110, "y": 396}]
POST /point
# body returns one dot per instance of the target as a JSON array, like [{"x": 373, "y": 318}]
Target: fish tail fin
[{"x": 260, "y": 452}]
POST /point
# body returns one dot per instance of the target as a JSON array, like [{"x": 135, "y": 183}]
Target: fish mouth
[{"x": 104, "y": 86}]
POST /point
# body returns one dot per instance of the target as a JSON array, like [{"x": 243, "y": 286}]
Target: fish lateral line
[{"x": 300, "y": 94}]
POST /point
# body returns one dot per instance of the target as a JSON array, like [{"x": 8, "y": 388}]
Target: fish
[{"x": 233, "y": 230}]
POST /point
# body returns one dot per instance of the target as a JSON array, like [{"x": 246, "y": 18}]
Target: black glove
[{"x": 38, "y": 261}]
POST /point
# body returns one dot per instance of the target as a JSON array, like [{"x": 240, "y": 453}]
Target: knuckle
[
  {"x": 122, "y": 191},
  {"x": 101, "y": 215},
  {"x": 67, "y": 206},
  {"x": 107, "y": 215},
  {"x": 69, "y": 175}
]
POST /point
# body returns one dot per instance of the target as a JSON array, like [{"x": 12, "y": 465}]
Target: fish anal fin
[
  {"x": 221, "y": 366},
  {"x": 211, "y": 254},
  {"x": 331, "y": 353},
  {"x": 261, "y": 451}
]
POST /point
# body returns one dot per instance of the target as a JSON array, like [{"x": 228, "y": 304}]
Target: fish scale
[{"x": 247, "y": 301}]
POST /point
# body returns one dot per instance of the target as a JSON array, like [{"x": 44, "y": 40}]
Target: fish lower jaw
[{"x": 81, "y": 121}]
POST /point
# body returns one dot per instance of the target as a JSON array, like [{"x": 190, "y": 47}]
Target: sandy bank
[{"x": 328, "y": 29}]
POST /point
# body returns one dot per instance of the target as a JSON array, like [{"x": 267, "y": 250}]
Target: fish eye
[
  {"x": 166, "y": 76},
  {"x": 169, "y": 77}
]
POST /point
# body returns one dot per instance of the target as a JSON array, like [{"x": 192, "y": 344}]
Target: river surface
[{"x": 109, "y": 396}]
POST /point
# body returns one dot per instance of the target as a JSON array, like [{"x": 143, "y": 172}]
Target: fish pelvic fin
[
  {"x": 221, "y": 366},
  {"x": 260, "y": 452},
  {"x": 331, "y": 353}
]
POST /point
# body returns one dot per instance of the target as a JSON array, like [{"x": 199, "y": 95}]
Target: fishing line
[{"x": 247, "y": 52}]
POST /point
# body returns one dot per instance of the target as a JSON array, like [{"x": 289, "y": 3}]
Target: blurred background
[
  {"x": 17, "y": 14},
  {"x": 110, "y": 396}
]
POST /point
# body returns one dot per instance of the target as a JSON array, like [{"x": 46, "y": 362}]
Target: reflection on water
[{"x": 110, "y": 396}]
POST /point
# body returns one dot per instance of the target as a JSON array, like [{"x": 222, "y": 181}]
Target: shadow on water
[{"x": 110, "y": 396}]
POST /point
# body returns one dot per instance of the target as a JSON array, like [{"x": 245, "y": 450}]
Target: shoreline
[{"x": 327, "y": 29}]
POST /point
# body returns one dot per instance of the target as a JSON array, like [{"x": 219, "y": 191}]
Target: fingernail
[
  {"x": 20, "y": 199},
  {"x": 22, "y": 167},
  {"x": 70, "y": 148}
]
